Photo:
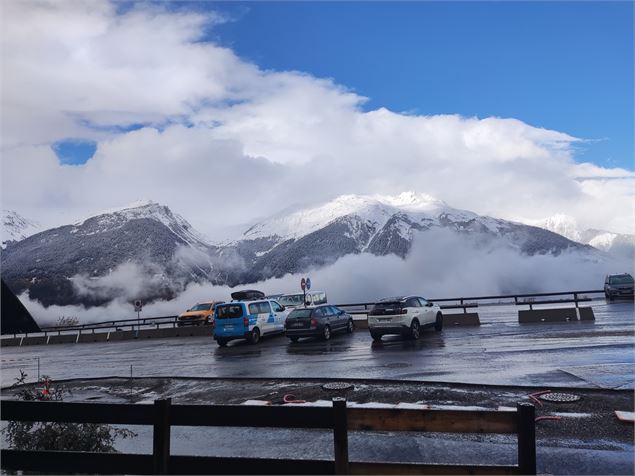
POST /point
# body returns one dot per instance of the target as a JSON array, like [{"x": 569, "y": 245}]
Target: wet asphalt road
[{"x": 599, "y": 354}]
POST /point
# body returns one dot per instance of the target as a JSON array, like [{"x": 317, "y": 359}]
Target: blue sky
[
  {"x": 566, "y": 66},
  {"x": 478, "y": 103}
]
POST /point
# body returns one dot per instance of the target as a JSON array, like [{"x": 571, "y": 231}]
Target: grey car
[
  {"x": 319, "y": 321},
  {"x": 618, "y": 285}
]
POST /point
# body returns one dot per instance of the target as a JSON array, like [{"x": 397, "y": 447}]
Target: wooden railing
[{"x": 338, "y": 418}]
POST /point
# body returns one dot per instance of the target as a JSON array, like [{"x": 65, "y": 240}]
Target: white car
[{"x": 403, "y": 315}]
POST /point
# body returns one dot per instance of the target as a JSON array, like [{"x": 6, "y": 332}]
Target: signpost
[
  {"x": 138, "y": 305},
  {"x": 305, "y": 284}
]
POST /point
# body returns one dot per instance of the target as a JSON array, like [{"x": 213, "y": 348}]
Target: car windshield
[
  {"x": 201, "y": 307},
  {"x": 624, "y": 279},
  {"x": 300, "y": 313},
  {"x": 229, "y": 311},
  {"x": 292, "y": 300}
]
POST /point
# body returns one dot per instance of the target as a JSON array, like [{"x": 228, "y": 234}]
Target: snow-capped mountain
[
  {"x": 297, "y": 239},
  {"x": 567, "y": 226},
  {"x": 146, "y": 251},
  {"x": 15, "y": 227},
  {"x": 146, "y": 244}
]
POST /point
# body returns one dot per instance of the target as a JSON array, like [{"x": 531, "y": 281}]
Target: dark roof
[{"x": 14, "y": 318}]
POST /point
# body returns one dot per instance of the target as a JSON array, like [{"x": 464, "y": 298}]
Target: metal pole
[{"x": 38, "y": 369}]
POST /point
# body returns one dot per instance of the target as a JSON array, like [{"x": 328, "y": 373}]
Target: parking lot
[
  {"x": 499, "y": 357},
  {"x": 590, "y": 354}
]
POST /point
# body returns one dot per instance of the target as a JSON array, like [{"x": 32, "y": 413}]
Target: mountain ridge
[{"x": 83, "y": 263}]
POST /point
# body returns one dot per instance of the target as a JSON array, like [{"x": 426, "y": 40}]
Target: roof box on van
[{"x": 247, "y": 295}]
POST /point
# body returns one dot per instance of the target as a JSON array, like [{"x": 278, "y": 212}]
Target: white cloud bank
[
  {"x": 441, "y": 264},
  {"x": 226, "y": 142}
]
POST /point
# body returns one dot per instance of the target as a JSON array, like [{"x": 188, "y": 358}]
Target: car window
[
  {"x": 259, "y": 308},
  {"x": 423, "y": 302},
  {"x": 328, "y": 311},
  {"x": 276, "y": 307},
  {"x": 228, "y": 311},
  {"x": 319, "y": 312},
  {"x": 300, "y": 313},
  {"x": 335, "y": 310},
  {"x": 413, "y": 302}
]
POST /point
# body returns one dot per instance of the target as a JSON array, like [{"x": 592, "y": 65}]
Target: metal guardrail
[{"x": 464, "y": 303}]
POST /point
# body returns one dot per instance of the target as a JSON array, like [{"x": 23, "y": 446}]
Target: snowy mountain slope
[
  {"x": 158, "y": 248},
  {"x": 601, "y": 239},
  {"x": 297, "y": 239},
  {"x": 15, "y": 227},
  {"x": 146, "y": 251}
]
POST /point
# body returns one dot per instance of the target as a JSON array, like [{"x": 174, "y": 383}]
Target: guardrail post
[
  {"x": 575, "y": 299},
  {"x": 340, "y": 435},
  {"x": 161, "y": 436},
  {"x": 526, "y": 438}
]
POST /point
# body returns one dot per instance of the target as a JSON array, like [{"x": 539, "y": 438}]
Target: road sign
[
  {"x": 308, "y": 284},
  {"x": 303, "y": 284},
  {"x": 138, "y": 305}
]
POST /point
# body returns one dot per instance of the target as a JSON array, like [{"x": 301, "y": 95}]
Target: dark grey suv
[{"x": 618, "y": 285}]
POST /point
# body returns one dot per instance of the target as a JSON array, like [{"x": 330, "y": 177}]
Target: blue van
[{"x": 248, "y": 320}]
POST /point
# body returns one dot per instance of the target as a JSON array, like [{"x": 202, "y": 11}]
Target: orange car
[{"x": 199, "y": 315}]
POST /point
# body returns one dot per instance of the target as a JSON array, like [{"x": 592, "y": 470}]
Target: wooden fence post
[
  {"x": 526, "y": 438},
  {"x": 340, "y": 435},
  {"x": 161, "y": 436}
]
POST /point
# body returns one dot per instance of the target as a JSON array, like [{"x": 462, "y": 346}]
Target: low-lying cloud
[{"x": 441, "y": 264}]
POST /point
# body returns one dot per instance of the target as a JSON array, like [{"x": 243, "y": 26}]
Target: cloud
[
  {"x": 441, "y": 264},
  {"x": 224, "y": 142}
]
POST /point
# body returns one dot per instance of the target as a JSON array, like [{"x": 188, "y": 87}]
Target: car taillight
[
  {"x": 313, "y": 323},
  {"x": 246, "y": 321}
]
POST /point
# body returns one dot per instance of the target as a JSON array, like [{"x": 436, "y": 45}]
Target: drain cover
[
  {"x": 560, "y": 397},
  {"x": 337, "y": 386}
]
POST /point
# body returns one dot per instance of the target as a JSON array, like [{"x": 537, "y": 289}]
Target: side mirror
[
  {"x": 282, "y": 307},
  {"x": 341, "y": 312},
  {"x": 429, "y": 304}
]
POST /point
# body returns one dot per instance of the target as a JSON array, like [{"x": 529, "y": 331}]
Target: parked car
[
  {"x": 198, "y": 315},
  {"x": 248, "y": 320},
  {"x": 618, "y": 285},
  {"x": 313, "y": 298},
  {"x": 404, "y": 315},
  {"x": 319, "y": 321}
]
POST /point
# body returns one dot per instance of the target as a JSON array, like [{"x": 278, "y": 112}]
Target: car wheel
[
  {"x": 376, "y": 337},
  {"x": 222, "y": 342},
  {"x": 254, "y": 336},
  {"x": 415, "y": 330},
  {"x": 326, "y": 333},
  {"x": 350, "y": 326},
  {"x": 294, "y": 339},
  {"x": 438, "y": 325}
]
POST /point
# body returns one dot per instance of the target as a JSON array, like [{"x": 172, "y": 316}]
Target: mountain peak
[
  {"x": 412, "y": 201},
  {"x": 15, "y": 227}
]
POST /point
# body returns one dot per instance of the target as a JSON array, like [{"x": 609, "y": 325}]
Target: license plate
[
  {"x": 229, "y": 328},
  {"x": 296, "y": 324},
  {"x": 384, "y": 319}
]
